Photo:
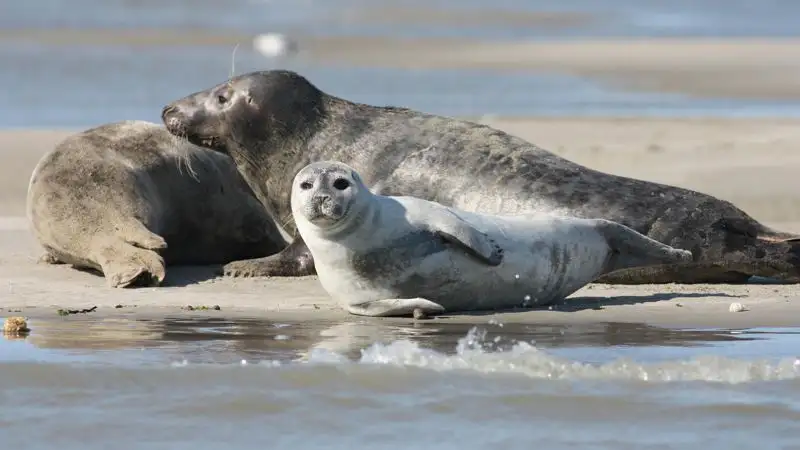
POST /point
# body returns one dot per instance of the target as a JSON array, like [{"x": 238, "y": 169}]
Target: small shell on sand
[
  {"x": 16, "y": 325},
  {"x": 737, "y": 307},
  {"x": 419, "y": 314}
]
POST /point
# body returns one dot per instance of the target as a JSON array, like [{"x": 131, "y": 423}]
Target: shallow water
[
  {"x": 83, "y": 382},
  {"x": 83, "y": 85},
  {"x": 181, "y": 383}
]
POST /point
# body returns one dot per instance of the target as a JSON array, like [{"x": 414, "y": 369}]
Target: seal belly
[{"x": 396, "y": 263}]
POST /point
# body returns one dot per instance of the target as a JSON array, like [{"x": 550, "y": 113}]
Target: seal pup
[
  {"x": 125, "y": 198},
  {"x": 275, "y": 122},
  {"x": 393, "y": 256}
]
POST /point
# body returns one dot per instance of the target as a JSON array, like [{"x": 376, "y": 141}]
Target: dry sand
[{"x": 753, "y": 163}]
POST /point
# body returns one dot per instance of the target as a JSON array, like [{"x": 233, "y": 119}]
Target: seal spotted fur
[{"x": 275, "y": 122}]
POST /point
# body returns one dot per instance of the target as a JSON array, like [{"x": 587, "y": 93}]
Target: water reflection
[{"x": 224, "y": 340}]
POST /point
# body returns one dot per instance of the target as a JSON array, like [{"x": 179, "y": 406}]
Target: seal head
[
  {"x": 326, "y": 194},
  {"x": 264, "y": 107}
]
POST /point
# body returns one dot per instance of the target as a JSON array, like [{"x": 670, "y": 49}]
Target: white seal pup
[{"x": 389, "y": 256}]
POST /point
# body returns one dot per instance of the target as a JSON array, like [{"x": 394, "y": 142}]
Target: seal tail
[
  {"x": 778, "y": 259},
  {"x": 766, "y": 233},
  {"x": 631, "y": 249}
]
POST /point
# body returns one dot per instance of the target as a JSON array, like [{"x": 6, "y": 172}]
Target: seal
[
  {"x": 275, "y": 122},
  {"x": 394, "y": 256},
  {"x": 128, "y": 198}
]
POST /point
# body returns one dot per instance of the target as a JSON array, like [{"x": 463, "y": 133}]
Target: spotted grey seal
[
  {"x": 389, "y": 256},
  {"x": 125, "y": 198},
  {"x": 275, "y": 122}
]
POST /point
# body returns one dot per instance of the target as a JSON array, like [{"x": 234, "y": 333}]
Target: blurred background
[{"x": 78, "y": 63}]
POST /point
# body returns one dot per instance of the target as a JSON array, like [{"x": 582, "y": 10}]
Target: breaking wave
[{"x": 475, "y": 354}]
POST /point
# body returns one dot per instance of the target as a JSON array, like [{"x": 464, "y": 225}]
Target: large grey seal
[
  {"x": 126, "y": 197},
  {"x": 275, "y": 122},
  {"x": 387, "y": 256}
]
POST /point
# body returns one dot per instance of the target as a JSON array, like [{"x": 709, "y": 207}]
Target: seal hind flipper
[
  {"x": 393, "y": 307},
  {"x": 125, "y": 265},
  {"x": 49, "y": 258},
  {"x": 779, "y": 260},
  {"x": 633, "y": 249},
  {"x": 295, "y": 261},
  {"x": 457, "y": 231},
  {"x": 136, "y": 234}
]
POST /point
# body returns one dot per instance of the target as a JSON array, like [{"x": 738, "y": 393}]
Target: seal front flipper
[
  {"x": 293, "y": 261},
  {"x": 392, "y": 307},
  {"x": 456, "y": 230}
]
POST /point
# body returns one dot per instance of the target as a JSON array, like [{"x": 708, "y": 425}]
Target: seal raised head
[
  {"x": 390, "y": 256},
  {"x": 275, "y": 122},
  {"x": 129, "y": 198}
]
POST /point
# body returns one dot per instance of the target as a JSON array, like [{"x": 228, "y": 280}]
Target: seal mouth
[
  {"x": 210, "y": 142},
  {"x": 325, "y": 213},
  {"x": 177, "y": 127}
]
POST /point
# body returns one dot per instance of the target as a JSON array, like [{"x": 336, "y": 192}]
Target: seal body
[
  {"x": 275, "y": 122},
  {"x": 386, "y": 256},
  {"x": 127, "y": 198}
]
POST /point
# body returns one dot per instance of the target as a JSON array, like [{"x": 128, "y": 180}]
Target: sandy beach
[{"x": 752, "y": 163}]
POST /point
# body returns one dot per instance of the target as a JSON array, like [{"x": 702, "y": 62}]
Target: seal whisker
[
  {"x": 185, "y": 158},
  {"x": 233, "y": 61}
]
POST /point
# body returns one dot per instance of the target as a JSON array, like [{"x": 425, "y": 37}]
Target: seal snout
[
  {"x": 182, "y": 120},
  {"x": 324, "y": 206},
  {"x": 171, "y": 119}
]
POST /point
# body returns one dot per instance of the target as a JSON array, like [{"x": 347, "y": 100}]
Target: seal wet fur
[
  {"x": 390, "y": 256},
  {"x": 275, "y": 122},
  {"x": 128, "y": 198}
]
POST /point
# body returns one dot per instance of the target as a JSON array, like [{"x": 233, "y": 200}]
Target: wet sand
[
  {"x": 750, "y": 162},
  {"x": 743, "y": 68},
  {"x": 712, "y": 68}
]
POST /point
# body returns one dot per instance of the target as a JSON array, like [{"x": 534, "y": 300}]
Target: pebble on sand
[
  {"x": 737, "y": 307},
  {"x": 16, "y": 325},
  {"x": 419, "y": 314}
]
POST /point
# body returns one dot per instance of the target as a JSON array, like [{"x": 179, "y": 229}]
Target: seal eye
[
  {"x": 341, "y": 184},
  {"x": 305, "y": 185},
  {"x": 221, "y": 99}
]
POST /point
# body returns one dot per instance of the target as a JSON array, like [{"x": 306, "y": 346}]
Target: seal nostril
[
  {"x": 341, "y": 184},
  {"x": 166, "y": 111}
]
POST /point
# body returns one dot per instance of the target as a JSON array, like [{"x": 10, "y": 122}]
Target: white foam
[{"x": 526, "y": 360}]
